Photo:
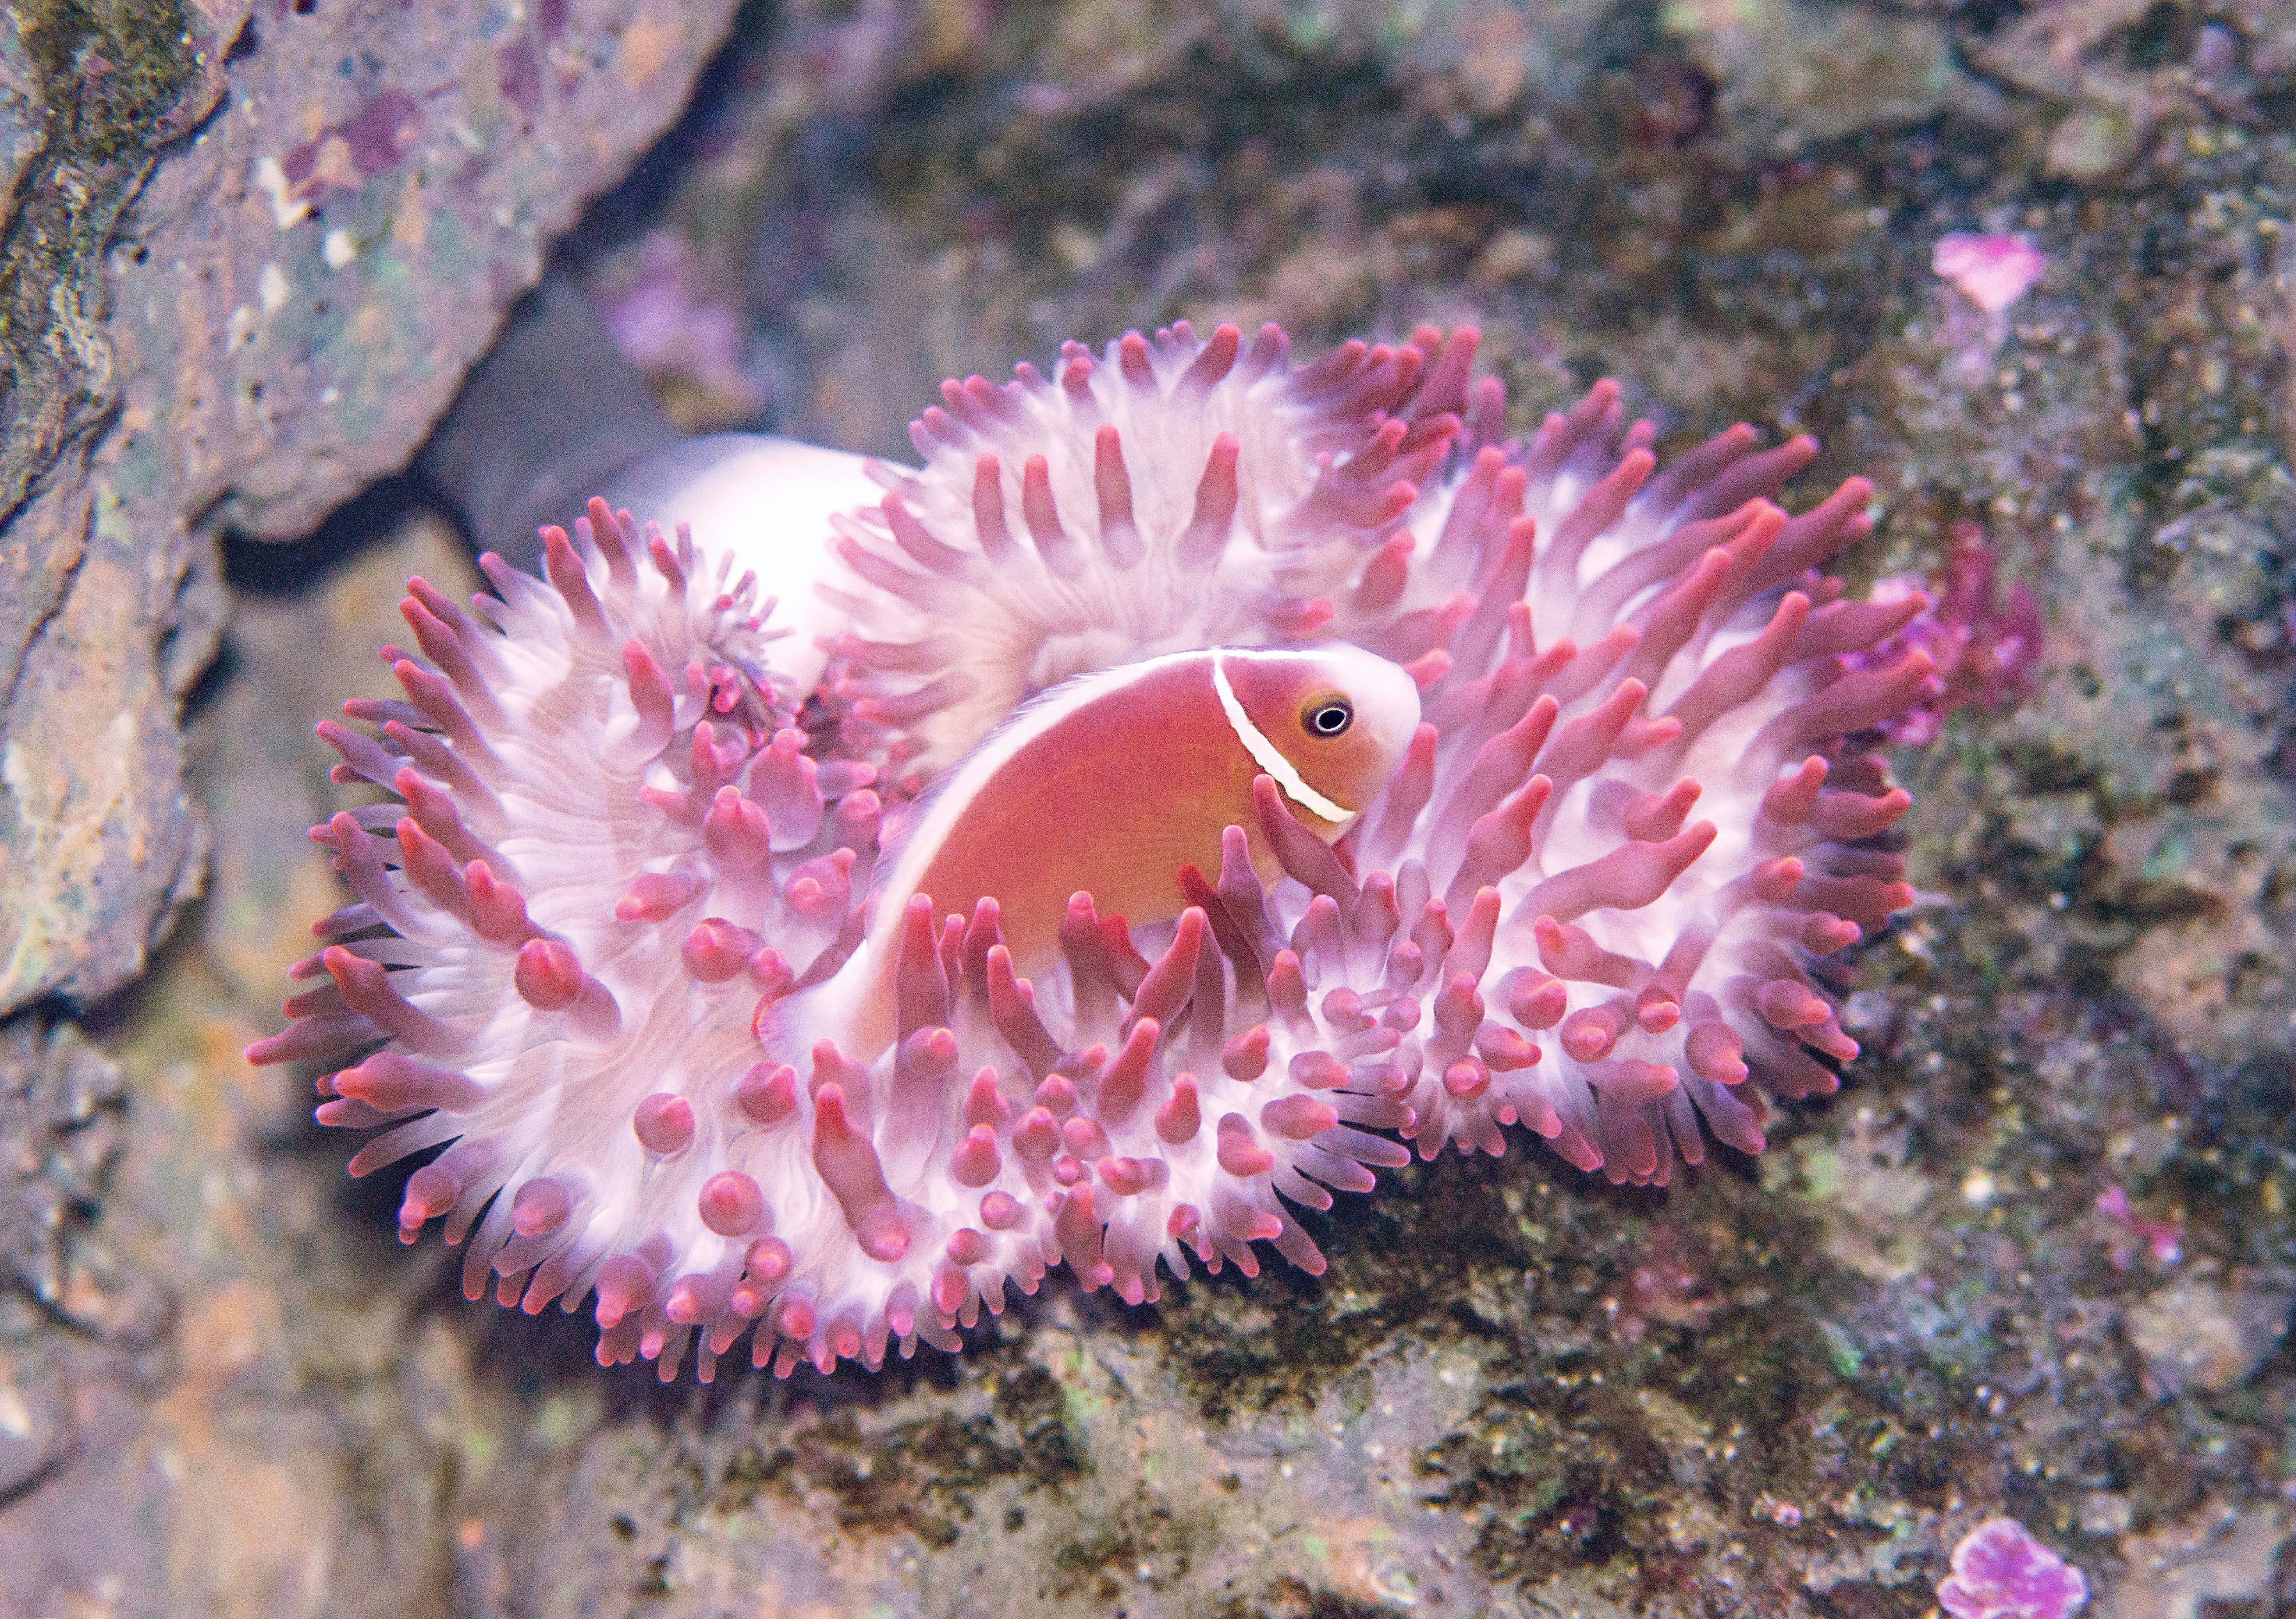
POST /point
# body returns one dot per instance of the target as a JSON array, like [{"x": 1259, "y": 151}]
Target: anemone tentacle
[
  {"x": 610, "y": 846},
  {"x": 1177, "y": 493}
]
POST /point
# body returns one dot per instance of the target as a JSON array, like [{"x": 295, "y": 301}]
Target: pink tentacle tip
[
  {"x": 663, "y": 1124},
  {"x": 731, "y": 1204}
]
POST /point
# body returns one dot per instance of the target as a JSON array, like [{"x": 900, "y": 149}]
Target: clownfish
[{"x": 1110, "y": 783}]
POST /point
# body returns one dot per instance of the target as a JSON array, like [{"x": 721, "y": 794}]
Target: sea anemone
[
  {"x": 1984, "y": 644},
  {"x": 604, "y": 941}
]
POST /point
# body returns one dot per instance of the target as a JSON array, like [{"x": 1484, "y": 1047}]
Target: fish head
[{"x": 1337, "y": 719}]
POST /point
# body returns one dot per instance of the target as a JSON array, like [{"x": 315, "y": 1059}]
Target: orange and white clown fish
[{"x": 1110, "y": 783}]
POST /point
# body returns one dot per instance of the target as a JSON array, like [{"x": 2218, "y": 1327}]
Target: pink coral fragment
[
  {"x": 1993, "y": 271},
  {"x": 2001, "y": 1571}
]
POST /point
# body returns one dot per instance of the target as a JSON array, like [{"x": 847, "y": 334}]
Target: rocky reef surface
[{"x": 2035, "y": 1261}]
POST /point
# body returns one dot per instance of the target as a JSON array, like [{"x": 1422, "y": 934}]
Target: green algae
[{"x": 111, "y": 75}]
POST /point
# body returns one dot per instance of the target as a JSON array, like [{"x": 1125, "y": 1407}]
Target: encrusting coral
[{"x": 606, "y": 933}]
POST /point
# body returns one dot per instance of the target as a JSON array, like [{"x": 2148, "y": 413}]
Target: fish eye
[{"x": 1329, "y": 716}]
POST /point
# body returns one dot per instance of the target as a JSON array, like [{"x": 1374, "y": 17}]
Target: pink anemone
[{"x": 596, "y": 947}]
